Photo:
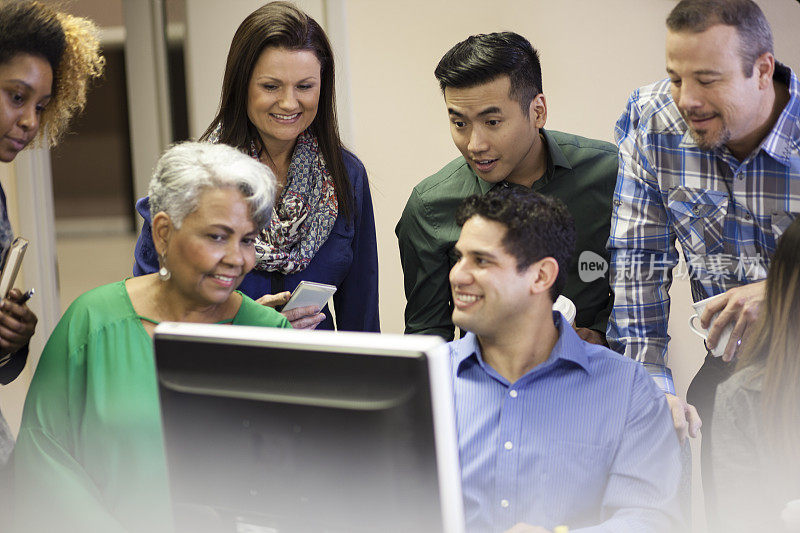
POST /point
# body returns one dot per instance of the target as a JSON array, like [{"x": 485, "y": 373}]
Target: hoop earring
[{"x": 163, "y": 273}]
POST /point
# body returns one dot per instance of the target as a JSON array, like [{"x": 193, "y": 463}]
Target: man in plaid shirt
[{"x": 711, "y": 158}]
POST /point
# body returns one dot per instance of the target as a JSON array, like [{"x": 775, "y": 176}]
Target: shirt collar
[
  {"x": 467, "y": 351},
  {"x": 782, "y": 138},
  {"x": 484, "y": 185},
  {"x": 555, "y": 158},
  {"x": 781, "y": 141},
  {"x": 569, "y": 345}
]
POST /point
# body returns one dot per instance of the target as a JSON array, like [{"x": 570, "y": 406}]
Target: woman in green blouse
[{"x": 89, "y": 456}]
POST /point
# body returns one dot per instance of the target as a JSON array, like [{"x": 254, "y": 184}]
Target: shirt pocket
[
  {"x": 699, "y": 218},
  {"x": 340, "y": 243},
  {"x": 780, "y": 223}
]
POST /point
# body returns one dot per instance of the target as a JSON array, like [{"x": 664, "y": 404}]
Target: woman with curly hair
[{"x": 46, "y": 61}]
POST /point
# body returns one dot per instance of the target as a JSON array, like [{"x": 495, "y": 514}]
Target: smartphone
[
  {"x": 11, "y": 265},
  {"x": 310, "y": 293}
]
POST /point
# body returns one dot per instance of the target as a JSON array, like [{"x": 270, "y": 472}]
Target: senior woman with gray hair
[{"x": 90, "y": 454}]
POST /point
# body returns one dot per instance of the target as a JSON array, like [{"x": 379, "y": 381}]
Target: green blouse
[{"x": 90, "y": 455}]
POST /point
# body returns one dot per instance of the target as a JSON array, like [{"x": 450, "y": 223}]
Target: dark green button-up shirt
[{"x": 580, "y": 172}]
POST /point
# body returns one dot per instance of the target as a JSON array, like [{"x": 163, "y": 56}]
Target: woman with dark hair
[
  {"x": 46, "y": 60},
  {"x": 278, "y": 106},
  {"x": 756, "y": 429}
]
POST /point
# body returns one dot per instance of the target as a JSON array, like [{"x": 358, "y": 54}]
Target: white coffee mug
[
  {"x": 566, "y": 307},
  {"x": 791, "y": 515},
  {"x": 722, "y": 343}
]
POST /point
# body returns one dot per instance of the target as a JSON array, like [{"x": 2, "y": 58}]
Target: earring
[{"x": 163, "y": 273}]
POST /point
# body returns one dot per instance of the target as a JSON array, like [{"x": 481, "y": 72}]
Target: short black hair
[
  {"x": 755, "y": 34},
  {"x": 31, "y": 28},
  {"x": 483, "y": 58},
  {"x": 537, "y": 226}
]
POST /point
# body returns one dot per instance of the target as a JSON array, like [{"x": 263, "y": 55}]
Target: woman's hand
[
  {"x": 274, "y": 300},
  {"x": 304, "y": 317},
  {"x": 300, "y": 317},
  {"x": 17, "y": 323}
]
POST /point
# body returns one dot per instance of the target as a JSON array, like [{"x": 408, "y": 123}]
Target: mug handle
[{"x": 700, "y": 332}]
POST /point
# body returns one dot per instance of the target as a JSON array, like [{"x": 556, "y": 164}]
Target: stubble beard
[{"x": 707, "y": 140}]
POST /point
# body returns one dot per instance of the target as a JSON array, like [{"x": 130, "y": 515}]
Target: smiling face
[
  {"x": 720, "y": 105},
  {"x": 283, "y": 94},
  {"x": 26, "y": 82},
  {"x": 213, "y": 249},
  {"x": 489, "y": 293},
  {"x": 493, "y": 134}
]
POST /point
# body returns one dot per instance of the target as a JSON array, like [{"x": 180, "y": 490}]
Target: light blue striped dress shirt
[{"x": 585, "y": 439}]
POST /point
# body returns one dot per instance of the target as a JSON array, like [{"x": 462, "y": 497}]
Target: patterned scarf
[{"x": 304, "y": 214}]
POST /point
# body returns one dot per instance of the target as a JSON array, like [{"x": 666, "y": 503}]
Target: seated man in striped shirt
[{"x": 552, "y": 430}]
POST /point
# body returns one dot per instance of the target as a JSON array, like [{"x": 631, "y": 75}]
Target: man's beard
[{"x": 704, "y": 140}]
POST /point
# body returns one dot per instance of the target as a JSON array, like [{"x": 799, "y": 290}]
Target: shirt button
[
  {"x": 513, "y": 393},
  {"x": 508, "y": 445},
  {"x": 504, "y": 504},
  {"x": 747, "y": 216}
]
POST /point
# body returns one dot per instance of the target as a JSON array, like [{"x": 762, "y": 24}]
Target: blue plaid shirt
[{"x": 726, "y": 214}]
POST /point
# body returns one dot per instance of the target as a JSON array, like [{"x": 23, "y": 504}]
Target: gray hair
[
  {"x": 185, "y": 170},
  {"x": 755, "y": 34}
]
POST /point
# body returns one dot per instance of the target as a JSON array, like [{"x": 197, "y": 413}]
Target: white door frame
[
  {"x": 37, "y": 224},
  {"x": 148, "y": 90}
]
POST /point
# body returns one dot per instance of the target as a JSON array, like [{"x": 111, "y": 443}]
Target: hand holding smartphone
[{"x": 11, "y": 265}]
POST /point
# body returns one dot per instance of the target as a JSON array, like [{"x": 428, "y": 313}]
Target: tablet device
[
  {"x": 310, "y": 293},
  {"x": 11, "y": 265}
]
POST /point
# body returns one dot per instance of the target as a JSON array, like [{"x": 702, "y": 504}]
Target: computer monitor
[{"x": 272, "y": 430}]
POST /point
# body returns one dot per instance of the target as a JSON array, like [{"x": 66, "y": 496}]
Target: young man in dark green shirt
[{"x": 493, "y": 91}]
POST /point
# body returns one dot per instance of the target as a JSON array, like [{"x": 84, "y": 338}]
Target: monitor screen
[{"x": 273, "y": 430}]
